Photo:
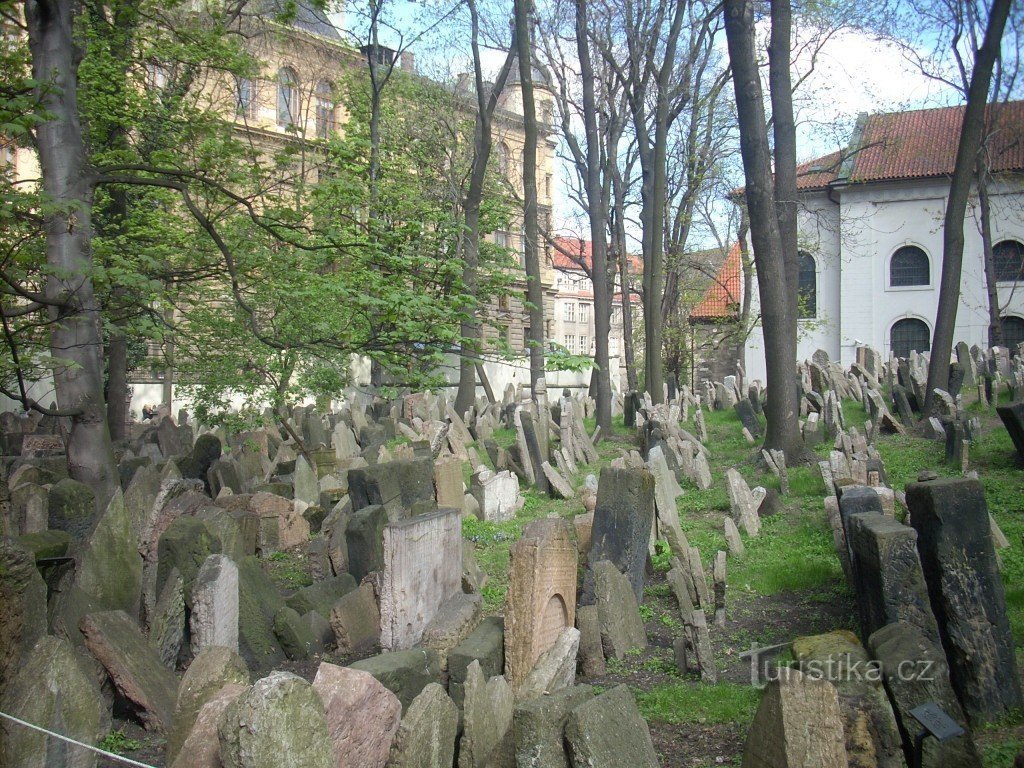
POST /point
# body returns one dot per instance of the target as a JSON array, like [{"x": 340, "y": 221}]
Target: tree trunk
[
  {"x": 956, "y": 207},
  {"x": 471, "y": 330},
  {"x": 784, "y": 131},
  {"x": 598, "y": 219},
  {"x": 531, "y": 228},
  {"x": 995, "y": 321},
  {"x": 618, "y": 228},
  {"x": 75, "y": 336},
  {"x": 117, "y": 385},
  {"x": 781, "y": 410}
]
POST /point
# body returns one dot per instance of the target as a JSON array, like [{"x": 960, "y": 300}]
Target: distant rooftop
[
  {"x": 307, "y": 17},
  {"x": 918, "y": 144}
]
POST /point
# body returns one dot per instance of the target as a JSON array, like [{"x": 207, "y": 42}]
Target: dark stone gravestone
[{"x": 959, "y": 561}]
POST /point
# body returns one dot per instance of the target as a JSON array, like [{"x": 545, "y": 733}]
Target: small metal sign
[{"x": 936, "y": 722}]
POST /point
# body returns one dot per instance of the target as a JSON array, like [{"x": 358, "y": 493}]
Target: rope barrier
[{"x": 69, "y": 740}]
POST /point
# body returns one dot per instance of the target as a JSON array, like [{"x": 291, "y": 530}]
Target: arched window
[
  {"x": 324, "y": 110},
  {"x": 502, "y": 152},
  {"x": 1013, "y": 332},
  {"x": 287, "y": 97},
  {"x": 1009, "y": 261},
  {"x": 909, "y": 266},
  {"x": 909, "y": 335},
  {"x": 807, "y": 289}
]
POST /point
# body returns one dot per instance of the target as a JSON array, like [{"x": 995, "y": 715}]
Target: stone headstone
[
  {"x": 608, "y": 730},
  {"x": 959, "y": 562},
  {"x": 214, "y": 619},
  {"x": 1013, "y": 419},
  {"x": 487, "y": 738},
  {"x": 798, "y": 725},
  {"x": 362, "y": 716},
  {"x": 742, "y": 504},
  {"x": 53, "y": 689},
  {"x": 541, "y": 594},
  {"x": 540, "y": 727},
  {"x": 355, "y": 620},
  {"x": 202, "y": 744},
  {"x": 214, "y": 668},
  {"x": 420, "y": 574},
  {"x": 623, "y": 519},
  {"x": 426, "y": 735},
  {"x": 396, "y": 486},
  {"x": 448, "y": 482},
  {"x": 404, "y": 673},
  {"x": 134, "y": 666},
  {"x": 618, "y": 611},
  {"x": 22, "y": 608},
  {"x": 901, "y": 648},
  {"x": 280, "y": 715},
  {"x": 890, "y": 584}
]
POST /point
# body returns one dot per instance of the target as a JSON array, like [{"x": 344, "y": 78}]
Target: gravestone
[
  {"x": 1013, "y": 420},
  {"x": 541, "y": 594},
  {"x": 396, "y": 486},
  {"x": 420, "y": 574},
  {"x": 618, "y": 611},
  {"x": 890, "y": 584},
  {"x": 742, "y": 503},
  {"x": 608, "y": 730},
  {"x": 426, "y": 735},
  {"x": 448, "y": 482},
  {"x": 798, "y": 725},
  {"x": 748, "y": 417},
  {"x": 623, "y": 519},
  {"x": 959, "y": 562},
  {"x": 214, "y": 619}
]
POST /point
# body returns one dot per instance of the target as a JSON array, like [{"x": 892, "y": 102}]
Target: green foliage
[
  {"x": 699, "y": 703},
  {"x": 119, "y": 744},
  {"x": 646, "y": 612},
  {"x": 662, "y": 556}
]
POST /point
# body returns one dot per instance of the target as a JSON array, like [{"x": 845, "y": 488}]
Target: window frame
[
  {"x": 1020, "y": 273},
  {"x": 905, "y": 249},
  {"x": 909, "y": 319},
  {"x": 288, "y": 107},
  {"x": 803, "y": 314},
  {"x": 326, "y": 110},
  {"x": 1016, "y": 320}
]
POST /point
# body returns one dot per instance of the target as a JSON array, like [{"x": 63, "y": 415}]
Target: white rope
[{"x": 104, "y": 752}]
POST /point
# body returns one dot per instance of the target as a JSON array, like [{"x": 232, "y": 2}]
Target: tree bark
[
  {"x": 784, "y": 131},
  {"x": 598, "y": 218},
  {"x": 75, "y": 337},
  {"x": 626, "y": 299},
  {"x": 531, "y": 228},
  {"x": 781, "y": 410},
  {"x": 471, "y": 330},
  {"x": 995, "y": 321},
  {"x": 956, "y": 206}
]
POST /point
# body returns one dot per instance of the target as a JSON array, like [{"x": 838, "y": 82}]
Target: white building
[{"x": 870, "y": 230}]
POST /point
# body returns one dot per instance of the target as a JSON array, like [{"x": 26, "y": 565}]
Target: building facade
[{"x": 871, "y": 234}]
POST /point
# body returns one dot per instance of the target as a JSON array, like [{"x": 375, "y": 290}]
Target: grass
[
  {"x": 119, "y": 744},
  {"x": 699, "y": 703},
  {"x": 288, "y": 570}
]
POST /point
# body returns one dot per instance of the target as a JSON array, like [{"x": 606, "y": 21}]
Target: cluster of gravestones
[{"x": 102, "y": 609}]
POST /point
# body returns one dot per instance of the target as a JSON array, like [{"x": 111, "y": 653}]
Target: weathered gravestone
[
  {"x": 420, "y": 574},
  {"x": 541, "y": 594},
  {"x": 959, "y": 562},
  {"x": 396, "y": 486},
  {"x": 608, "y": 730},
  {"x": 214, "y": 619},
  {"x": 915, "y": 673},
  {"x": 622, "y": 525},
  {"x": 890, "y": 584},
  {"x": 426, "y": 735},
  {"x": 798, "y": 725},
  {"x": 1013, "y": 420}
]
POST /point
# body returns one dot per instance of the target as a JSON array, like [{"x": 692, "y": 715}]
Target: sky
[{"x": 853, "y": 73}]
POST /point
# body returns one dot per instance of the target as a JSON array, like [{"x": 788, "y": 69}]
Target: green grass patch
[
  {"x": 119, "y": 744},
  {"x": 699, "y": 703},
  {"x": 288, "y": 570}
]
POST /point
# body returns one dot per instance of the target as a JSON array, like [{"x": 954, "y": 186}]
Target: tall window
[
  {"x": 807, "y": 290},
  {"x": 909, "y": 266},
  {"x": 246, "y": 104},
  {"x": 584, "y": 313},
  {"x": 502, "y": 153},
  {"x": 324, "y": 110},
  {"x": 1009, "y": 261},
  {"x": 1013, "y": 332},
  {"x": 501, "y": 239},
  {"x": 287, "y": 97},
  {"x": 909, "y": 335},
  {"x": 570, "y": 312},
  {"x": 584, "y": 345}
]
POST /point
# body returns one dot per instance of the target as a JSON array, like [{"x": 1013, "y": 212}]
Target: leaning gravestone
[
  {"x": 623, "y": 519},
  {"x": 1013, "y": 420},
  {"x": 618, "y": 611},
  {"x": 890, "y": 584},
  {"x": 54, "y": 690},
  {"x": 426, "y": 735},
  {"x": 214, "y": 619},
  {"x": 22, "y": 607},
  {"x": 608, "y": 730},
  {"x": 959, "y": 561}
]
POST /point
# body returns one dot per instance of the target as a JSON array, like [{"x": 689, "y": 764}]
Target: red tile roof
[
  {"x": 919, "y": 144},
  {"x": 721, "y": 299},
  {"x": 569, "y": 251}
]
